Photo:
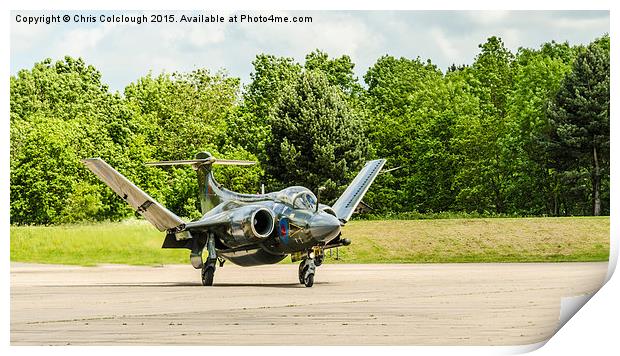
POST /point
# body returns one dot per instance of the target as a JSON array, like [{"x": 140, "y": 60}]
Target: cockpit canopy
[{"x": 298, "y": 198}]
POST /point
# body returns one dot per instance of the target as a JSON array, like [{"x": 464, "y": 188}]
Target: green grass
[
  {"x": 130, "y": 242},
  {"x": 390, "y": 241}
]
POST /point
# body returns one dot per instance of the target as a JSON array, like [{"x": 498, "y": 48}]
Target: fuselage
[{"x": 299, "y": 225}]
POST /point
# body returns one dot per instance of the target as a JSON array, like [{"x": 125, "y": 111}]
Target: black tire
[
  {"x": 207, "y": 276},
  {"x": 309, "y": 281},
  {"x": 301, "y": 272}
]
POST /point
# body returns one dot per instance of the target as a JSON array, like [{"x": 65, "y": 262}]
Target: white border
[{"x": 593, "y": 330}]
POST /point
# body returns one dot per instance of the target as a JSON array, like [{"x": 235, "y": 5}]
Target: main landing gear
[
  {"x": 208, "y": 272},
  {"x": 208, "y": 268},
  {"x": 307, "y": 268}
]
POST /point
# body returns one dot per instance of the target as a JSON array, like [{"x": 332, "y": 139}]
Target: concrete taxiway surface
[{"x": 430, "y": 304}]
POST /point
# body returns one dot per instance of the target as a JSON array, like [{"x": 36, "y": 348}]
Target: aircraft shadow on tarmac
[{"x": 189, "y": 284}]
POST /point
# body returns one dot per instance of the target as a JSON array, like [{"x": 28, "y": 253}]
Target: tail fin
[
  {"x": 162, "y": 218},
  {"x": 346, "y": 204},
  {"x": 211, "y": 193}
]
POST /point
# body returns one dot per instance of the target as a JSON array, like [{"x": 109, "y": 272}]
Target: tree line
[{"x": 523, "y": 133}]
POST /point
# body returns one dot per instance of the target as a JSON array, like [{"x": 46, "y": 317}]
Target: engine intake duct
[
  {"x": 262, "y": 222},
  {"x": 240, "y": 226},
  {"x": 250, "y": 224}
]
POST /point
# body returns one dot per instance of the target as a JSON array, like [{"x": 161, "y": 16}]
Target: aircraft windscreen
[
  {"x": 305, "y": 200},
  {"x": 297, "y": 197}
]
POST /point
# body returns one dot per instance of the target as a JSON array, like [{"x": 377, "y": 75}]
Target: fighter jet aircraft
[{"x": 247, "y": 229}]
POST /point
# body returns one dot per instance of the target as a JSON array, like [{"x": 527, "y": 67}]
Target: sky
[{"x": 124, "y": 52}]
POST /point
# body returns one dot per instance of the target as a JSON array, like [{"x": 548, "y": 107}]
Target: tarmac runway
[{"x": 417, "y": 304}]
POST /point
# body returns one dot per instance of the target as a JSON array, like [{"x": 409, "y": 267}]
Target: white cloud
[
  {"x": 446, "y": 46},
  {"x": 488, "y": 17},
  {"x": 578, "y": 24},
  {"x": 337, "y": 34},
  {"x": 196, "y": 35},
  {"x": 24, "y": 37},
  {"x": 124, "y": 52},
  {"x": 78, "y": 41}
]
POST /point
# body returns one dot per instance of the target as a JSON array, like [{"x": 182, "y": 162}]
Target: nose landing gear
[{"x": 307, "y": 268}]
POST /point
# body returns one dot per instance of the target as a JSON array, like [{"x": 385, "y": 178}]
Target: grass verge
[{"x": 389, "y": 241}]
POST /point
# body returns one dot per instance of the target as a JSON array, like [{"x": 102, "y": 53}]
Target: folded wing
[
  {"x": 345, "y": 205},
  {"x": 162, "y": 218}
]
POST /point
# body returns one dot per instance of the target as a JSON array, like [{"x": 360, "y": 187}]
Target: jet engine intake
[
  {"x": 262, "y": 223},
  {"x": 250, "y": 224}
]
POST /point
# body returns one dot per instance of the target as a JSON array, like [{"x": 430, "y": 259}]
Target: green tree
[
  {"x": 182, "y": 114},
  {"x": 579, "y": 116},
  {"x": 315, "y": 139},
  {"x": 248, "y": 125},
  {"x": 534, "y": 188},
  {"x": 61, "y": 113},
  {"x": 270, "y": 76},
  {"x": 517, "y": 134},
  {"x": 339, "y": 71},
  {"x": 411, "y": 128},
  {"x": 483, "y": 142}
]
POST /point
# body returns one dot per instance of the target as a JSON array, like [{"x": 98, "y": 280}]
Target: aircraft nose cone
[{"x": 324, "y": 227}]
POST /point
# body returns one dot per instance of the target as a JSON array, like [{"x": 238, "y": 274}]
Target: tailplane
[
  {"x": 211, "y": 193},
  {"x": 203, "y": 158}
]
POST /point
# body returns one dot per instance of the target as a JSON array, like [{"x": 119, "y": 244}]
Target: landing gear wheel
[
  {"x": 301, "y": 272},
  {"x": 208, "y": 272},
  {"x": 306, "y": 272},
  {"x": 309, "y": 280}
]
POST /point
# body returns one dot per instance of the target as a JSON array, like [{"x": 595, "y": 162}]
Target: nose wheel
[{"x": 307, "y": 267}]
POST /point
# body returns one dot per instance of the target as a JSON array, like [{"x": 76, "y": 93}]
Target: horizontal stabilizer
[
  {"x": 210, "y": 160},
  {"x": 162, "y": 218},
  {"x": 174, "y": 163},
  {"x": 233, "y": 162},
  {"x": 346, "y": 204}
]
